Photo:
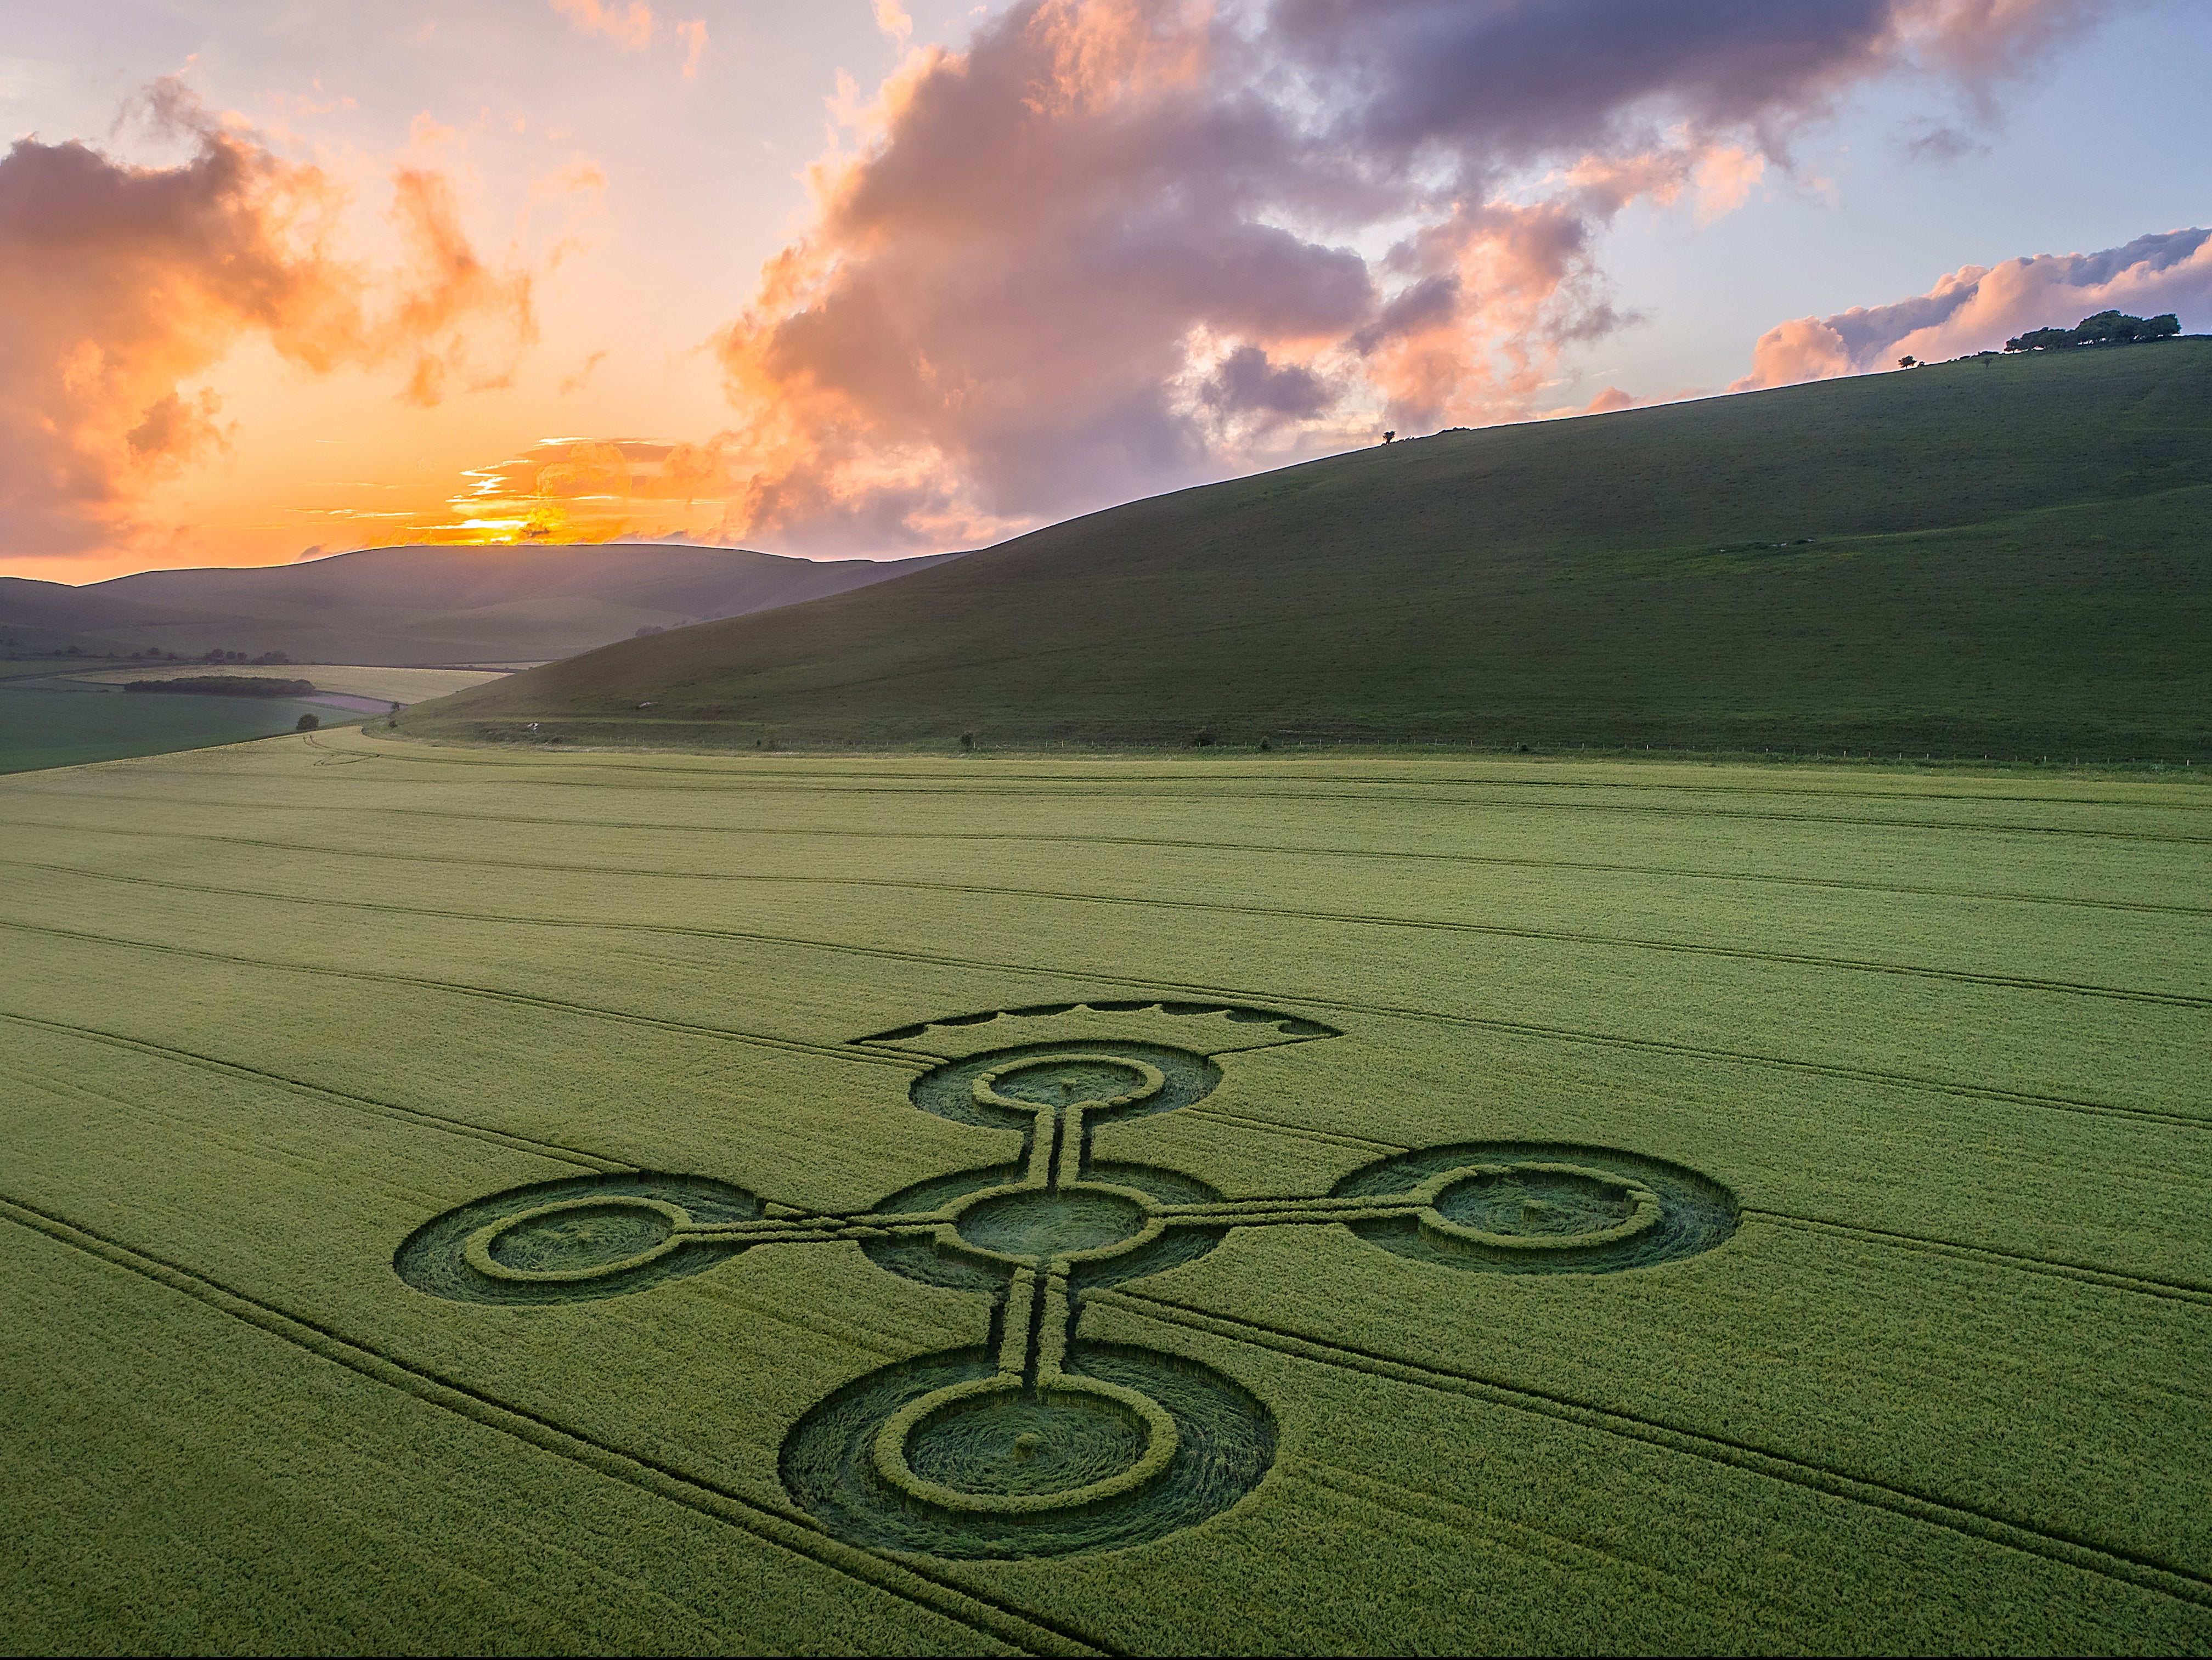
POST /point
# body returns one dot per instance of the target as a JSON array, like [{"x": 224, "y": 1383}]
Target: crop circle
[
  {"x": 577, "y": 1239},
  {"x": 1101, "y": 1082},
  {"x": 1546, "y": 1207},
  {"x": 1032, "y": 1224},
  {"x": 1224, "y": 1444},
  {"x": 569, "y": 1241},
  {"x": 1541, "y": 1208},
  {"x": 1034, "y": 1076},
  {"x": 994, "y": 1446}
]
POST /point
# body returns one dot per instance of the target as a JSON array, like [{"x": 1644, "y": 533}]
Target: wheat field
[{"x": 542, "y": 1201}]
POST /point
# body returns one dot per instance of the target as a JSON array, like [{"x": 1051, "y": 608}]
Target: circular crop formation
[
  {"x": 1042, "y": 1443},
  {"x": 1003, "y": 1088},
  {"x": 1540, "y": 1207},
  {"x": 559, "y": 1242},
  {"x": 1013, "y": 1471},
  {"x": 1022, "y": 1223}
]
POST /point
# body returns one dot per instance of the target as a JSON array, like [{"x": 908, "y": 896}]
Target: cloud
[
  {"x": 1925, "y": 140},
  {"x": 125, "y": 286},
  {"x": 1245, "y": 381},
  {"x": 630, "y": 28},
  {"x": 1110, "y": 247},
  {"x": 577, "y": 381},
  {"x": 693, "y": 34},
  {"x": 1979, "y": 308},
  {"x": 590, "y": 490},
  {"x": 634, "y": 27},
  {"x": 895, "y": 21}
]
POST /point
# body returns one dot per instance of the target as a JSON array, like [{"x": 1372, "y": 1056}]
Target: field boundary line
[
  {"x": 2104, "y": 1560},
  {"x": 1060, "y": 976},
  {"x": 2175, "y": 1290},
  {"x": 417, "y": 1116},
  {"x": 982, "y": 791},
  {"x": 822, "y": 782},
  {"x": 794, "y": 1046},
  {"x": 595, "y": 761},
  {"x": 1562, "y": 936},
  {"x": 1504, "y": 860},
  {"x": 769, "y": 1525}
]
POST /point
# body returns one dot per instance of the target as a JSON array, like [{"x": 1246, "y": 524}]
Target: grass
[
  {"x": 47, "y": 722},
  {"x": 1906, "y": 1068},
  {"x": 2004, "y": 558}
]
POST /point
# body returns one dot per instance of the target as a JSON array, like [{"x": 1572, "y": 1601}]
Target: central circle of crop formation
[
  {"x": 1026, "y": 1223},
  {"x": 1044, "y": 1440}
]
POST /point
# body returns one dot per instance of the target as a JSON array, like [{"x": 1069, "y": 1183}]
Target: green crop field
[
  {"x": 47, "y": 722},
  {"x": 516, "y": 1200}
]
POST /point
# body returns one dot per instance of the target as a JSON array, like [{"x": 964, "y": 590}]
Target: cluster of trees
[
  {"x": 228, "y": 685},
  {"x": 219, "y": 655},
  {"x": 2107, "y": 328}
]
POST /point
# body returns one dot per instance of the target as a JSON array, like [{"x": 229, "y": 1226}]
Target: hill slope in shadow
[
  {"x": 2006, "y": 556},
  {"x": 435, "y": 605}
]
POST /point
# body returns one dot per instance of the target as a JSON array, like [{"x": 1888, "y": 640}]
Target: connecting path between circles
[{"x": 1042, "y": 1442}]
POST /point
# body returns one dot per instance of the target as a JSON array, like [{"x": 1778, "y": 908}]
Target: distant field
[
  {"x": 47, "y": 725},
  {"x": 482, "y": 1200},
  {"x": 353, "y": 679}
]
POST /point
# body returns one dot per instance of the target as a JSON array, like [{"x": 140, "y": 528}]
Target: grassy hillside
[
  {"x": 2006, "y": 557},
  {"x": 430, "y": 604}
]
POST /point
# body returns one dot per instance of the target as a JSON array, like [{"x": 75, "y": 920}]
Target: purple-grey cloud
[{"x": 1107, "y": 245}]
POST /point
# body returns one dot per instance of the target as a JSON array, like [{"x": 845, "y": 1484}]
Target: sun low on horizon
[{"x": 874, "y": 280}]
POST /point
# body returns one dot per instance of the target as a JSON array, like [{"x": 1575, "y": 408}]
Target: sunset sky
[{"x": 843, "y": 278}]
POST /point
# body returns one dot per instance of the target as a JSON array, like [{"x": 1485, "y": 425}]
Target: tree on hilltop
[{"x": 2107, "y": 328}]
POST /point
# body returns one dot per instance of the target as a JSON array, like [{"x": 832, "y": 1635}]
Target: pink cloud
[
  {"x": 1107, "y": 246},
  {"x": 1979, "y": 308},
  {"x": 124, "y": 285},
  {"x": 631, "y": 27},
  {"x": 634, "y": 27}
]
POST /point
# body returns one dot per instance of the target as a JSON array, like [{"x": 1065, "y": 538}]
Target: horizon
[
  {"x": 317, "y": 556},
  {"x": 293, "y": 292}
]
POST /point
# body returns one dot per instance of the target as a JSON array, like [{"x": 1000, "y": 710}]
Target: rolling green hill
[
  {"x": 424, "y": 605},
  {"x": 2006, "y": 557}
]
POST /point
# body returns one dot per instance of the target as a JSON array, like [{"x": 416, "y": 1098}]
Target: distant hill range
[
  {"x": 2004, "y": 556},
  {"x": 427, "y": 605}
]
